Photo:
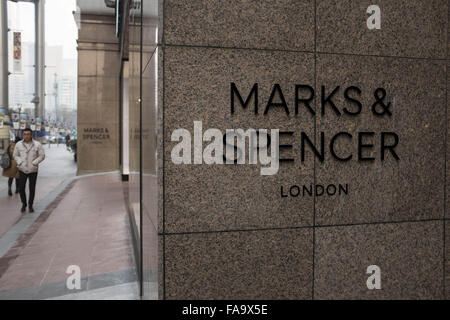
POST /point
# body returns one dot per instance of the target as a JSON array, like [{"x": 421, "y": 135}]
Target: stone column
[
  {"x": 39, "y": 70},
  {"x": 4, "y": 55},
  {"x": 98, "y": 95}
]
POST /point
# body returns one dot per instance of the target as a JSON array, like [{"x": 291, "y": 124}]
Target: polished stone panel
[
  {"x": 108, "y": 89},
  {"x": 224, "y": 231},
  {"x": 109, "y": 161},
  {"x": 107, "y": 65},
  {"x": 410, "y": 188},
  {"x": 90, "y": 111},
  {"x": 87, "y": 111},
  {"x": 233, "y": 196},
  {"x": 447, "y": 260},
  {"x": 408, "y": 28},
  {"x": 97, "y": 28},
  {"x": 108, "y": 111},
  {"x": 409, "y": 256},
  {"x": 271, "y": 264},
  {"x": 87, "y": 88},
  {"x": 160, "y": 139},
  {"x": 87, "y": 63},
  {"x": 161, "y": 269},
  {"x": 282, "y": 24},
  {"x": 98, "y": 94},
  {"x": 97, "y": 147},
  {"x": 447, "y": 156}
]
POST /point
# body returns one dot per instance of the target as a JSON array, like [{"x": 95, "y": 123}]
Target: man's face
[{"x": 27, "y": 136}]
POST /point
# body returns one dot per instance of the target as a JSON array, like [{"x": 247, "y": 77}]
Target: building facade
[{"x": 354, "y": 98}]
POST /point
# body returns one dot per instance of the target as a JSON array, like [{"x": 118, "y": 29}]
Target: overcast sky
[{"x": 60, "y": 27}]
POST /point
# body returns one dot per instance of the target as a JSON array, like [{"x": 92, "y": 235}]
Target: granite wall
[
  {"x": 98, "y": 95},
  {"x": 228, "y": 232}
]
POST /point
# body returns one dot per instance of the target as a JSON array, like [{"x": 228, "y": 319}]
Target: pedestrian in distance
[
  {"x": 12, "y": 173},
  {"x": 28, "y": 154}
]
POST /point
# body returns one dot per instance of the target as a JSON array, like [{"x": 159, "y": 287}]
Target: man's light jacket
[{"x": 28, "y": 156}]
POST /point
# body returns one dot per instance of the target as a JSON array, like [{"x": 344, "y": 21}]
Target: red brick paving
[
  {"x": 57, "y": 167},
  {"x": 88, "y": 228}
]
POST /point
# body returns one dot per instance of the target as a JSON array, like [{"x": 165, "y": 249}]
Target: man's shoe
[
  {"x": 24, "y": 207},
  {"x": 31, "y": 209}
]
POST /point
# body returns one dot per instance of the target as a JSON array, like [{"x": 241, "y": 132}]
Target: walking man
[{"x": 28, "y": 154}]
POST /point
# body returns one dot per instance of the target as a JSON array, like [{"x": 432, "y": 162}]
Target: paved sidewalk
[
  {"x": 87, "y": 226},
  {"x": 57, "y": 168}
]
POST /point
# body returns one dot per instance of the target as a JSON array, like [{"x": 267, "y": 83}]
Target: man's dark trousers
[{"x": 23, "y": 177}]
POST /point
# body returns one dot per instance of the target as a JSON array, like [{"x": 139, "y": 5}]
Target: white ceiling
[
  {"x": 94, "y": 7},
  {"x": 99, "y": 7}
]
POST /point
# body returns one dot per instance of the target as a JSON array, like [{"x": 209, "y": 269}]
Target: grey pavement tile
[
  {"x": 19, "y": 294},
  {"x": 127, "y": 291},
  {"x": 109, "y": 279}
]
